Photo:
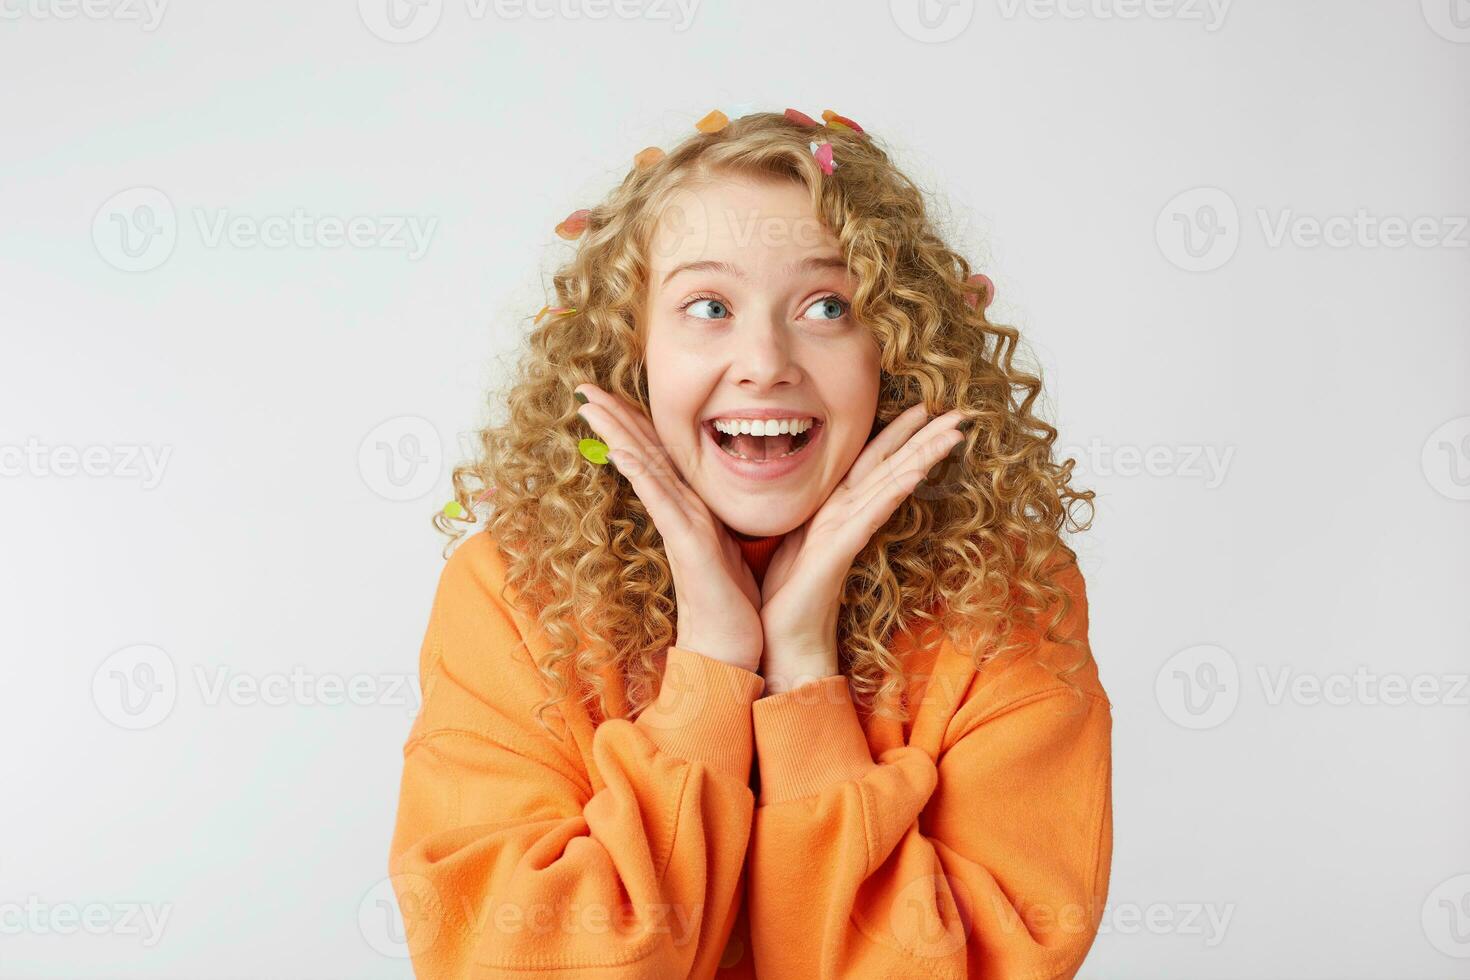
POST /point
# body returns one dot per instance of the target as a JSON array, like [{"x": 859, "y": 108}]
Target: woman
[{"x": 712, "y": 699}]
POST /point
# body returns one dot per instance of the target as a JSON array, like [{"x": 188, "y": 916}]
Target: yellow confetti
[
  {"x": 593, "y": 449},
  {"x": 553, "y": 311}
]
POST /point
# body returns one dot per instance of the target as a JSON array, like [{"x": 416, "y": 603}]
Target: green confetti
[
  {"x": 594, "y": 449},
  {"x": 453, "y": 509}
]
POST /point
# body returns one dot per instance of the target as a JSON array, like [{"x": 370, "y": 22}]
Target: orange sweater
[{"x": 729, "y": 835}]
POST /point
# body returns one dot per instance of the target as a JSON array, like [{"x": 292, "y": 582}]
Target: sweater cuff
[
  {"x": 808, "y": 738},
  {"x": 702, "y": 712}
]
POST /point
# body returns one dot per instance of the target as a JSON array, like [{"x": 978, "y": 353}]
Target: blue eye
[
  {"x": 718, "y": 306},
  {"x": 832, "y": 305}
]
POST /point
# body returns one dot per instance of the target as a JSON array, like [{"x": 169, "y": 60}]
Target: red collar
[{"x": 757, "y": 552}]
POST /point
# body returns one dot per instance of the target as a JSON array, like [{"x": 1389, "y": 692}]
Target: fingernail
[{"x": 581, "y": 398}]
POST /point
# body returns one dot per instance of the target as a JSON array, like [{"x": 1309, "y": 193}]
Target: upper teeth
[{"x": 763, "y": 427}]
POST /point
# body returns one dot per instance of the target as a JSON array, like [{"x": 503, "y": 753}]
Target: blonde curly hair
[{"x": 974, "y": 552}]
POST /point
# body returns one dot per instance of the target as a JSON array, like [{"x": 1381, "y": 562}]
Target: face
[{"x": 748, "y": 320}]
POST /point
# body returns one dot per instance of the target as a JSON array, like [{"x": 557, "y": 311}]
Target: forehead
[{"x": 751, "y": 222}]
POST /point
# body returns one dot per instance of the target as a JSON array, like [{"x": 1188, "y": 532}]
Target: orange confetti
[
  {"x": 801, "y": 118},
  {"x": 713, "y": 122},
  {"x": 647, "y": 157},
  {"x": 840, "y": 122},
  {"x": 573, "y": 224}
]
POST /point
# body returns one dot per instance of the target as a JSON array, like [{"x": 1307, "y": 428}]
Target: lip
[{"x": 773, "y": 469}]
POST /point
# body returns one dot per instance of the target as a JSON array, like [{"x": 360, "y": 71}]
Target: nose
[{"x": 762, "y": 355}]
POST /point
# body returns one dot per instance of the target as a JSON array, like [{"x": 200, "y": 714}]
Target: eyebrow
[{"x": 710, "y": 265}]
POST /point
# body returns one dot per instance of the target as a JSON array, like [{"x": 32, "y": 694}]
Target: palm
[{"x": 806, "y": 573}]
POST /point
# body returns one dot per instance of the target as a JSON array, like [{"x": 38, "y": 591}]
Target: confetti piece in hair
[
  {"x": 801, "y": 118},
  {"x": 453, "y": 510},
  {"x": 553, "y": 311},
  {"x": 823, "y": 153},
  {"x": 647, "y": 157},
  {"x": 982, "y": 281},
  {"x": 713, "y": 122},
  {"x": 573, "y": 224},
  {"x": 593, "y": 449},
  {"x": 484, "y": 496},
  {"x": 840, "y": 122}
]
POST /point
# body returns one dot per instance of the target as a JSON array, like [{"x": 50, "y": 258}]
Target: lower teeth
[
  {"x": 730, "y": 452},
  {"x": 767, "y": 459}
]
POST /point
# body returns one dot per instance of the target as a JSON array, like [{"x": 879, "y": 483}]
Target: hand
[
  {"x": 801, "y": 592},
  {"x": 715, "y": 591}
]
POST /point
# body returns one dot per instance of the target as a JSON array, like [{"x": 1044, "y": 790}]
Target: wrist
[
  {"x": 736, "y": 653},
  {"x": 786, "y": 667}
]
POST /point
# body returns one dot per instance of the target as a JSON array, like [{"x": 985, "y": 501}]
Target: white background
[{"x": 1313, "y": 831}]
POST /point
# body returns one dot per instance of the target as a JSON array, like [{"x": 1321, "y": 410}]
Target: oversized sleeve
[
  {"x": 504, "y": 860},
  {"x": 991, "y": 861}
]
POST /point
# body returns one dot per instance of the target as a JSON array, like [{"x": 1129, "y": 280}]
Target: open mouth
[{"x": 762, "y": 448}]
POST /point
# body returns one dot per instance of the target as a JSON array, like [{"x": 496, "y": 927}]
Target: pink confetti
[
  {"x": 981, "y": 280},
  {"x": 823, "y": 153}
]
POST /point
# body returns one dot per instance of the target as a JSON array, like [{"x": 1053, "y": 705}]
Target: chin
[{"x": 762, "y": 529}]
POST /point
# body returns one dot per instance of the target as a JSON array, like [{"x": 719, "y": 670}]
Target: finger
[
  {"x": 916, "y": 445},
  {"x": 664, "y": 502},
  {"x": 630, "y": 413},
  {"x": 883, "y": 498},
  {"x": 893, "y": 435},
  {"x": 652, "y": 456}
]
